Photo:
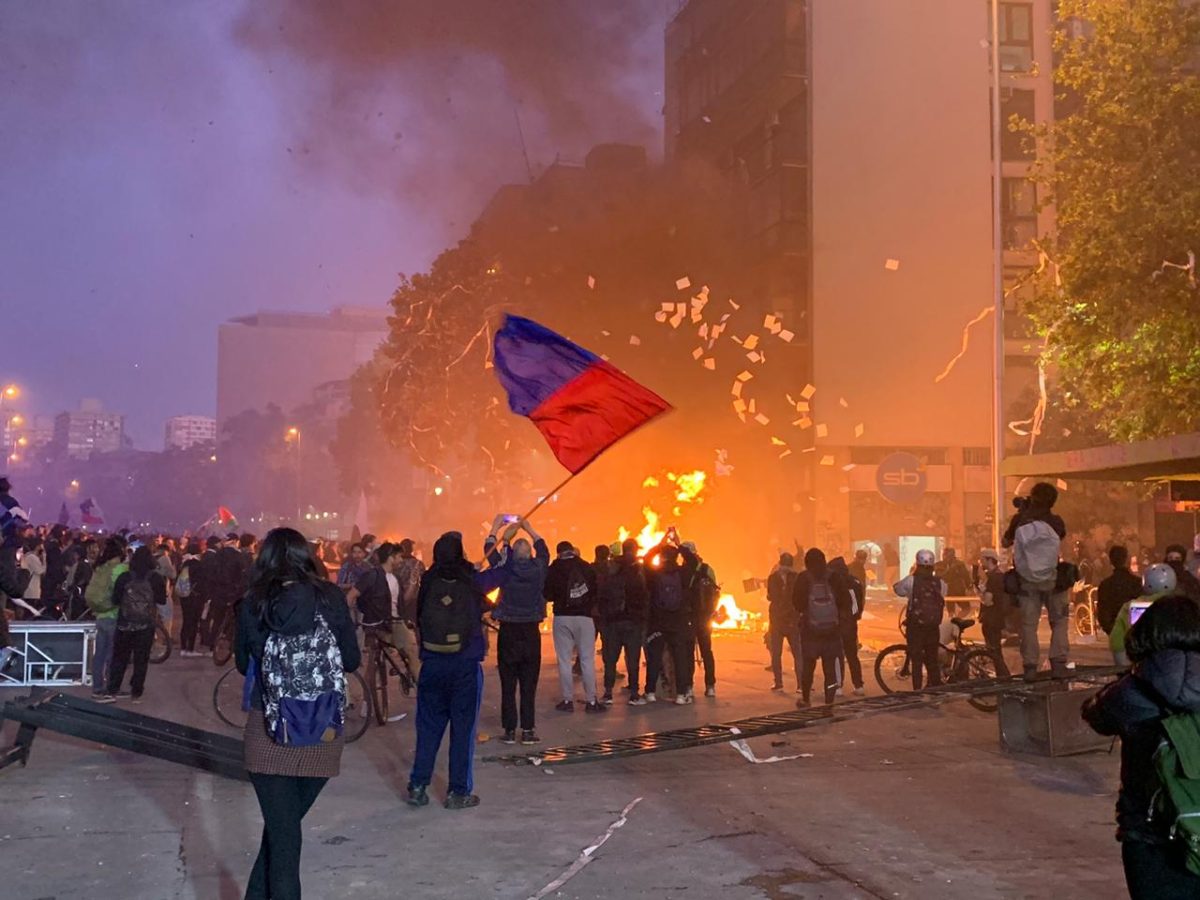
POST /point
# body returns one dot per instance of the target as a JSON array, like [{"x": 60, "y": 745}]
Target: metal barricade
[{"x": 53, "y": 654}]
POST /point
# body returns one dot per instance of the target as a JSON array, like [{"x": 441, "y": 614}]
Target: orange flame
[
  {"x": 688, "y": 486},
  {"x": 650, "y": 536},
  {"x": 729, "y": 616}
]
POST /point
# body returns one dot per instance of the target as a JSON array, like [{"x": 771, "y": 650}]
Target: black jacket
[
  {"x": 1114, "y": 591},
  {"x": 781, "y": 612},
  {"x": 1132, "y": 709},
  {"x": 661, "y": 619},
  {"x": 637, "y": 595},
  {"x": 226, "y": 576},
  {"x": 562, "y": 573},
  {"x": 293, "y": 611}
]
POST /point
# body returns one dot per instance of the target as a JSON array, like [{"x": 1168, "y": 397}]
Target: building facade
[
  {"x": 280, "y": 358},
  {"x": 184, "y": 432},
  {"x": 90, "y": 429},
  {"x": 861, "y": 132}
]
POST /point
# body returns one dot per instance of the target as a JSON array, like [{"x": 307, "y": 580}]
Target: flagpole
[{"x": 542, "y": 502}]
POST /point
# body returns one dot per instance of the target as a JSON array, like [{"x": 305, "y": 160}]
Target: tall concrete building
[
  {"x": 861, "y": 131},
  {"x": 280, "y": 357},
  {"x": 184, "y": 432},
  {"x": 89, "y": 429}
]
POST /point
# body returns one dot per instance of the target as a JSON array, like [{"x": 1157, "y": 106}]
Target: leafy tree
[{"x": 1120, "y": 165}]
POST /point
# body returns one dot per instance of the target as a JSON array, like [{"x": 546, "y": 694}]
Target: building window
[
  {"x": 1016, "y": 37},
  {"x": 977, "y": 456},
  {"x": 1015, "y": 145},
  {"x": 1018, "y": 213}
]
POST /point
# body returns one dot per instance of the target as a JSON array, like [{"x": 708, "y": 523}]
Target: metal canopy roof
[{"x": 1176, "y": 457}]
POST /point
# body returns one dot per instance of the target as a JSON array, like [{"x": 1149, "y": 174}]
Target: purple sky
[{"x": 164, "y": 168}]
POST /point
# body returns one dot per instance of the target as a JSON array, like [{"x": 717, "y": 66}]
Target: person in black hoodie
[
  {"x": 1164, "y": 647},
  {"x": 844, "y": 580},
  {"x": 285, "y": 595},
  {"x": 784, "y": 621},
  {"x": 670, "y": 626},
  {"x": 1175, "y": 556},
  {"x": 624, "y": 608},
  {"x": 1114, "y": 592},
  {"x": 822, "y": 603}
]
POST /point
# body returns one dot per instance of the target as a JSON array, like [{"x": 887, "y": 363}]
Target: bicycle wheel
[
  {"x": 160, "y": 651},
  {"x": 980, "y": 665},
  {"x": 357, "y": 714},
  {"x": 1085, "y": 625},
  {"x": 223, "y": 647},
  {"x": 227, "y": 699},
  {"x": 379, "y": 688},
  {"x": 902, "y": 622},
  {"x": 892, "y": 669}
]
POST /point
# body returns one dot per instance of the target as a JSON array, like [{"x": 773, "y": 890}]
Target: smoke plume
[{"x": 421, "y": 97}]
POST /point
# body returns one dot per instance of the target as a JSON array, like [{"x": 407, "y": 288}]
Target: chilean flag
[{"x": 581, "y": 404}]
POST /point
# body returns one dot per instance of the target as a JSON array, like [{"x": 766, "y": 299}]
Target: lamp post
[
  {"x": 997, "y": 285},
  {"x": 292, "y": 436},
  {"x": 8, "y": 394}
]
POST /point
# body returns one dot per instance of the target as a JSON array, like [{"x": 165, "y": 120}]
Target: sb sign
[{"x": 901, "y": 479}]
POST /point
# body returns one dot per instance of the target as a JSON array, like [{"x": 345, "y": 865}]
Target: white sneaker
[
  {"x": 860, "y": 692},
  {"x": 710, "y": 692},
  {"x": 649, "y": 697},
  {"x": 684, "y": 700}
]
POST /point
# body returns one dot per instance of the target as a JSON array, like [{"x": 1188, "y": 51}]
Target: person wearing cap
[
  {"x": 993, "y": 607},
  {"x": 571, "y": 589}
]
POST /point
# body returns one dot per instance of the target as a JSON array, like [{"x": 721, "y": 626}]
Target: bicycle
[
  {"x": 228, "y": 698},
  {"x": 160, "y": 650},
  {"x": 222, "y": 645},
  {"x": 960, "y": 661},
  {"x": 385, "y": 655}
]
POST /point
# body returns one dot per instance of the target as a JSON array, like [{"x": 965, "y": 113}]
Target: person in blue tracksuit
[{"x": 450, "y": 686}]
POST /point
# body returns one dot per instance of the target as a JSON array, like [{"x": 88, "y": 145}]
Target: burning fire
[
  {"x": 729, "y": 616},
  {"x": 650, "y": 536}
]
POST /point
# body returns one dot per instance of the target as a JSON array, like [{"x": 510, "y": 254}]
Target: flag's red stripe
[{"x": 593, "y": 411}]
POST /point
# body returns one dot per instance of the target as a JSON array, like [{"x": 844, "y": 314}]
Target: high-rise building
[
  {"x": 861, "y": 133},
  {"x": 183, "y": 432},
  {"x": 89, "y": 429},
  {"x": 281, "y": 357}
]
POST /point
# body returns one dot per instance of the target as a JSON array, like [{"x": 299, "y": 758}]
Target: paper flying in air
[
  {"x": 737, "y": 388},
  {"x": 784, "y": 455},
  {"x": 739, "y": 404},
  {"x": 842, "y": 402},
  {"x": 634, "y": 340},
  {"x": 660, "y": 316},
  {"x": 697, "y": 353},
  {"x": 849, "y": 467},
  {"x": 827, "y": 460},
  {"x": 762, "y": 419},
  {"x": 858, "y": 430},
  {"x": 745, "y": 376},
  {"x": 769, "y": 322},
  {"x": 808, "y": 392},
  {"x": 734, "y": 305},
  {"x": 683, "y": 283},
  {"x": 710, "y": 364},
  {"x": 822, "y": 431},
  {"x": 892, "y": 265},
  {"x": 754, "y": 356},
  {"x": 778, "y": 443},
  {"x": 591, "y": 282},
  {"x": 751, "y": 342},
  {"x": 786, "y": 335}
]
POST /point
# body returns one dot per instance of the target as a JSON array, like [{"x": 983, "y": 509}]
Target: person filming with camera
[{"x": 1035, "y": 535}]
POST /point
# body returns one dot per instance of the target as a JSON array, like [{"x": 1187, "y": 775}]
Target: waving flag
[
  {"x": 581, "y": 404},
  {"x": 91, "y": 513},
  {"x": 225, "y": 518}
]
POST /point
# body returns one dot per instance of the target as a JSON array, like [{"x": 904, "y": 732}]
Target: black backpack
[
  {"x": 927, "y": 605},
  {"x": 669, "y": 593},
  {"x": 449, "y": 616},
  {"x": 578, "y": 592},
  {"x": 137, "y": 606},
  {"x": 612, "y": 593}
]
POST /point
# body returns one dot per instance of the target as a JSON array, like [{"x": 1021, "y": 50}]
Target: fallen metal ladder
[
  {"x": 159, "y": 738},
  {"x": 792, "y": 720}
]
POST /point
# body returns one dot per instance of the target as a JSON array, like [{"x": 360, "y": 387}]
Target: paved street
[{"x": 913, "y": 805}]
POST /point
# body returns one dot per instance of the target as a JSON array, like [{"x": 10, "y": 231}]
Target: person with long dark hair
[
  {"x": 285, "y": 598},
  {"x": 1164, "y": 647},
  {"x": 136, "y": 594}
]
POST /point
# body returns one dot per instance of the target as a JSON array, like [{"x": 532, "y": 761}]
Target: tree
[{"x": 1121, "y": 168}]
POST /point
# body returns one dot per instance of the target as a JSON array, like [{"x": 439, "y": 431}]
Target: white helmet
[
  {"x": 925, "y": 558},
  {"x": 1159, "y": 579}
]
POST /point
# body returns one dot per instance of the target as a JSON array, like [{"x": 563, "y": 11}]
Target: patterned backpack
[{"x": 303, "y": 686}]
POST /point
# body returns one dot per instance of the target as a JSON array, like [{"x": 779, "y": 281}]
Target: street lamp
[
  {"x": 292, "y": 435},
  {"x": 997, "y": 284},
  {"x": 11, "y": 392}
]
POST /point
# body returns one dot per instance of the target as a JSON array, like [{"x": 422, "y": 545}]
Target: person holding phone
[{"x": 1158, "y": 582}]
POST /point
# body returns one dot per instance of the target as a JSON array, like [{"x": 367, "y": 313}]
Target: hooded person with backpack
[
  {"x": 1035, "y": 534},
  {"x": 99, "y": 598},
  {"x": 926, "y": 595},
  {"x": 822, "y": 603},
  {"x": 572, "y": 591},
  {"x": 1155, "y": 710},
  {"x": 669, "y": 628},
  {"x": 703, "y": 594},
  {"x": 624, "y": 609},
  {"x": 294, "y": 642},
  {"x": 136, "y": 595},
  {"x": 450, "y": 607}
]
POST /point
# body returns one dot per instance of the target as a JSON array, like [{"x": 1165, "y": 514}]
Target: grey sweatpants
[
  {"x": 573, "y": 633},
  {"x": 1058, "y": 611}
]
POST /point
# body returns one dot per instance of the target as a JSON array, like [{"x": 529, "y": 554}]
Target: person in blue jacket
[{"x": 450, "y": 686}]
